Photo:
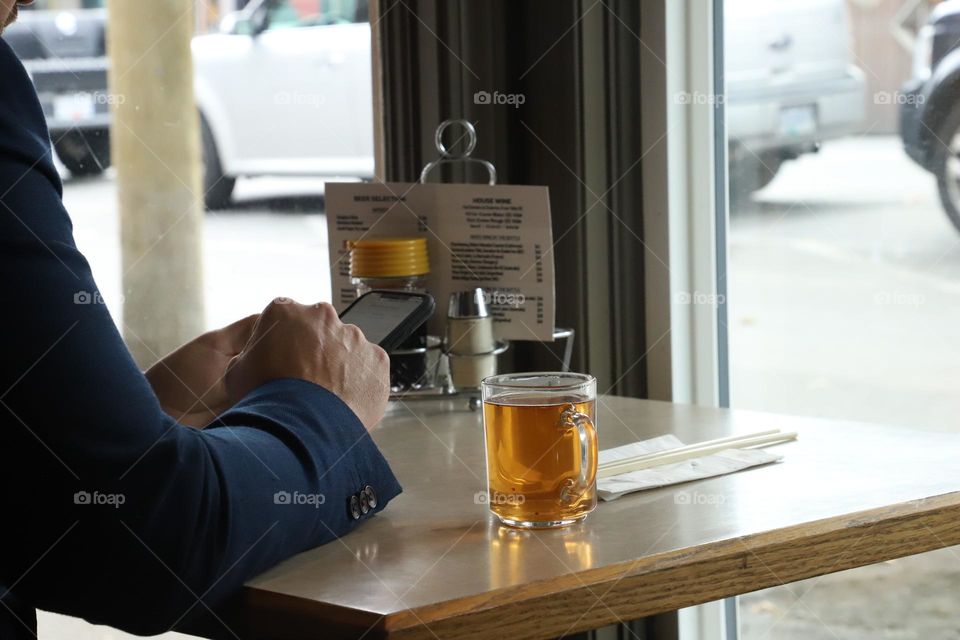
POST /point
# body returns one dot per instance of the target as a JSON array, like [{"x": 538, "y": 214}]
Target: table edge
[{"x": 707, "y": 572}]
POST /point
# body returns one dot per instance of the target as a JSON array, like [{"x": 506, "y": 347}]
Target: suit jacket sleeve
[{"x": 111, "y": 510}]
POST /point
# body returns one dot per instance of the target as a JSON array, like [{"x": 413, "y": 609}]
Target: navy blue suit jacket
[{"x": 111, "y": 511}]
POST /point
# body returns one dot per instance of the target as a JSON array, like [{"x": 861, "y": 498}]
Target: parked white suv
[
  {"x": 790, "y": 83},
  {"x": 285, "y": 89}
]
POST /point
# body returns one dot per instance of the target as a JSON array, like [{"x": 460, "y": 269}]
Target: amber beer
[{"x": 541, "y": 445}]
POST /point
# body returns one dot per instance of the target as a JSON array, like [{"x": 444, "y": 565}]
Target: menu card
[{"x": 495, "y": 237}]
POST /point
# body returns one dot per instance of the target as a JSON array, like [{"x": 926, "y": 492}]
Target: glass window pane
[{"x": 844, "y": 259}]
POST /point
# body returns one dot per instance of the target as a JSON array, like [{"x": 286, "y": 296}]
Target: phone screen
[{"x": 378, "y": 314}]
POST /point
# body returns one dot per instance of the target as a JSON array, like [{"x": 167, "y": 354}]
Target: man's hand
[
  {"x": 292, "y": 340},
  {"x": 190, "y": 381}
]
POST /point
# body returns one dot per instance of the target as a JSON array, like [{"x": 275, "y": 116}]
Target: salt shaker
[{"x": 470, "y": 341}]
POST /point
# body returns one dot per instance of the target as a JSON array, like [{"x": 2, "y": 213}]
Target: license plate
[
  {"x": 798, "y": 122},
  {"x": 74, "y": 107}
]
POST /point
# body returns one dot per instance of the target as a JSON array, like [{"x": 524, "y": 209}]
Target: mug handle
[{"x": 587, "y": 437}]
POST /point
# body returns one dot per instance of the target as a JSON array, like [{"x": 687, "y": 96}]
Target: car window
[{"x": 287, "y": 14}]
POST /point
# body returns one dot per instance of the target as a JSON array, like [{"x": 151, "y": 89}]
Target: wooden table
[{"x": 435, "y": 564}]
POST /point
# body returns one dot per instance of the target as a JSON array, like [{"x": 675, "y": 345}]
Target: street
[{"x": 845, "y": 291}]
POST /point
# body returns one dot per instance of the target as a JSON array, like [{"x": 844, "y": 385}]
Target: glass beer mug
[{"x": 541, "y": 445}]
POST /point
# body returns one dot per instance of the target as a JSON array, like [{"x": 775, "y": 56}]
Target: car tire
[
  {"x": 749, "y": 173},
  {"x": 217, "y": 187},
  {"x": 84, "y": 153},
  {"x": 946, "y": 164}
]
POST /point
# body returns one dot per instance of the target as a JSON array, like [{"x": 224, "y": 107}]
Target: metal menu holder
[
  {"x": 448, "y": 156},
  {"x": 441, "y": 369}
]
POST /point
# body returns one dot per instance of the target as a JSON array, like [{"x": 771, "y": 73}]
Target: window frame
[{"x": 686, "y": 205}]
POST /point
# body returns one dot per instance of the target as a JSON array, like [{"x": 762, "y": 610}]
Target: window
[{"x": 843, "y": 259}]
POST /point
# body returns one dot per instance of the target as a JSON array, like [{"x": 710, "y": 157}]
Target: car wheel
[
  {"x": 217, "y": 187},
  {"x": 947, "y": 165},
  {"x": 84, "y": 153},
  {"x": 749, "y": 172}
]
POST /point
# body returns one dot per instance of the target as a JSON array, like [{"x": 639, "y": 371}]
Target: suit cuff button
[
  {"x": 370, "y": 496},
  {"x": 354, "y": 507}
]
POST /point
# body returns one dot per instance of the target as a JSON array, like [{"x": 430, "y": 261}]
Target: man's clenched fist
[{"x": 309, "y": 342}]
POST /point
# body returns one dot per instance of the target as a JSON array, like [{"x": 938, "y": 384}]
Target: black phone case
[{"x": 410, "y": 324}]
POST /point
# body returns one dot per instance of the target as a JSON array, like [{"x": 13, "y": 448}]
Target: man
[{"x": 112, "y": 508}]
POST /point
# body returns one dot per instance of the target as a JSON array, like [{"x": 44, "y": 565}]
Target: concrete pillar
[{"x": 156, "y": 151}]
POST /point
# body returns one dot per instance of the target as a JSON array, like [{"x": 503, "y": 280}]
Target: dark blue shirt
[{"x": 111, "y": 511}]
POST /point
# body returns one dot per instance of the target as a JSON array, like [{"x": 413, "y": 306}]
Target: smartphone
[{"x": 387, "y": 318}]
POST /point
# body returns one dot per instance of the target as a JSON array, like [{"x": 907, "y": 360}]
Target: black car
[
  {"x": 64, "y": 51},
  {"x": 930, "y": 104}
]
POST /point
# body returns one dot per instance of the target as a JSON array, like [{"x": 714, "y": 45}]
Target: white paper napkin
[{"x": 717, "y": 464}]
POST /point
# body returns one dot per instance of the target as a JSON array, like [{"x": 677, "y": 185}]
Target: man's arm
[{"x": 111, "y": 510}]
